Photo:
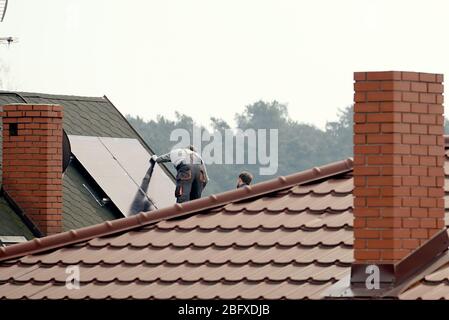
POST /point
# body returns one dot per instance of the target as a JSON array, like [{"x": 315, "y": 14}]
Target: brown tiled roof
[{"x": 290, "y": 237}]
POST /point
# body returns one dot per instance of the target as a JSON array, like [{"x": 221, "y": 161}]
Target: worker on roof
[
  {"x": 191, "y": 176},
  {"x": 244, "y": 179}
]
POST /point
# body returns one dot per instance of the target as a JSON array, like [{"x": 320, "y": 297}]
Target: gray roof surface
[
  {"x": 11, "y": 224},
  {"x": 79, "y": 208}
]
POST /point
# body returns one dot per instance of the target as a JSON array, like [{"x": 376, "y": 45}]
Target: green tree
[
  {"x": 301, "y": 146},
  {"x": 339, "y": 134}
]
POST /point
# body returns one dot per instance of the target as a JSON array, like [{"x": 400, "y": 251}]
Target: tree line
[{"x": 300, "y": 146}]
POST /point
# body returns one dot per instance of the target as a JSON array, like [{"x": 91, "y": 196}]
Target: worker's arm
[
  {"x": 162, "y": 158},
  {"x": 205, "y": 172}
]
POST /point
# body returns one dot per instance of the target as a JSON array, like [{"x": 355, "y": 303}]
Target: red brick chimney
[
  {"x": 398, "y": 172},
  {"x": 32, "y": 162}
]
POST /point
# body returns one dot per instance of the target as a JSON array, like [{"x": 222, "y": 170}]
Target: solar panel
[
  {"x": 121, "y": 166},
  {"x": 10, "y": 240},
  {"x": 135, "y": 160}
]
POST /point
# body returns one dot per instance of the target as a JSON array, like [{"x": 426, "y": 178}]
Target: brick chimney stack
[
  {"x": 398, "y": 167},
  {"x": 32, "y": 162}
]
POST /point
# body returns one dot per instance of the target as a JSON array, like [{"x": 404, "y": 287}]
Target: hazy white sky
[{"x": 211, "y": 58}]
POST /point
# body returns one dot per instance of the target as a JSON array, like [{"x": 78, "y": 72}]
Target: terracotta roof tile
[
  {"x": 290, "y": 202},
  {"x": 167, "y": 290},
  {"x": 186, "y": 272},
  {"x": 439, "y": 276},
  {"x": 343, "y": 186},
  {"x": 426, "y": 292}
]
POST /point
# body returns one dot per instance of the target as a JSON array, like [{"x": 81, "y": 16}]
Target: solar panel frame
[{"x": 119, "y": 166}]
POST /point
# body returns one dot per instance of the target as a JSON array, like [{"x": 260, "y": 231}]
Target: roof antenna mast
[{"x": 3, "y": 7}]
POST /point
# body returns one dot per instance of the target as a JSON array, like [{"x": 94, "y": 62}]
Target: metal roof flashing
[
  {"x": 397, "y": 278},
  {"x": 19, "y": 211}
]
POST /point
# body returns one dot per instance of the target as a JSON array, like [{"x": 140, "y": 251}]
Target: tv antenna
[
  {"x": 8, "y": 40},
  {"x": 3, "y": 7}
]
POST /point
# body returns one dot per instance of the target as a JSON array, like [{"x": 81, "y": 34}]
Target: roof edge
[
  {"x": 177, "y": 210},
  {"x": 25, "y": 94}
]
